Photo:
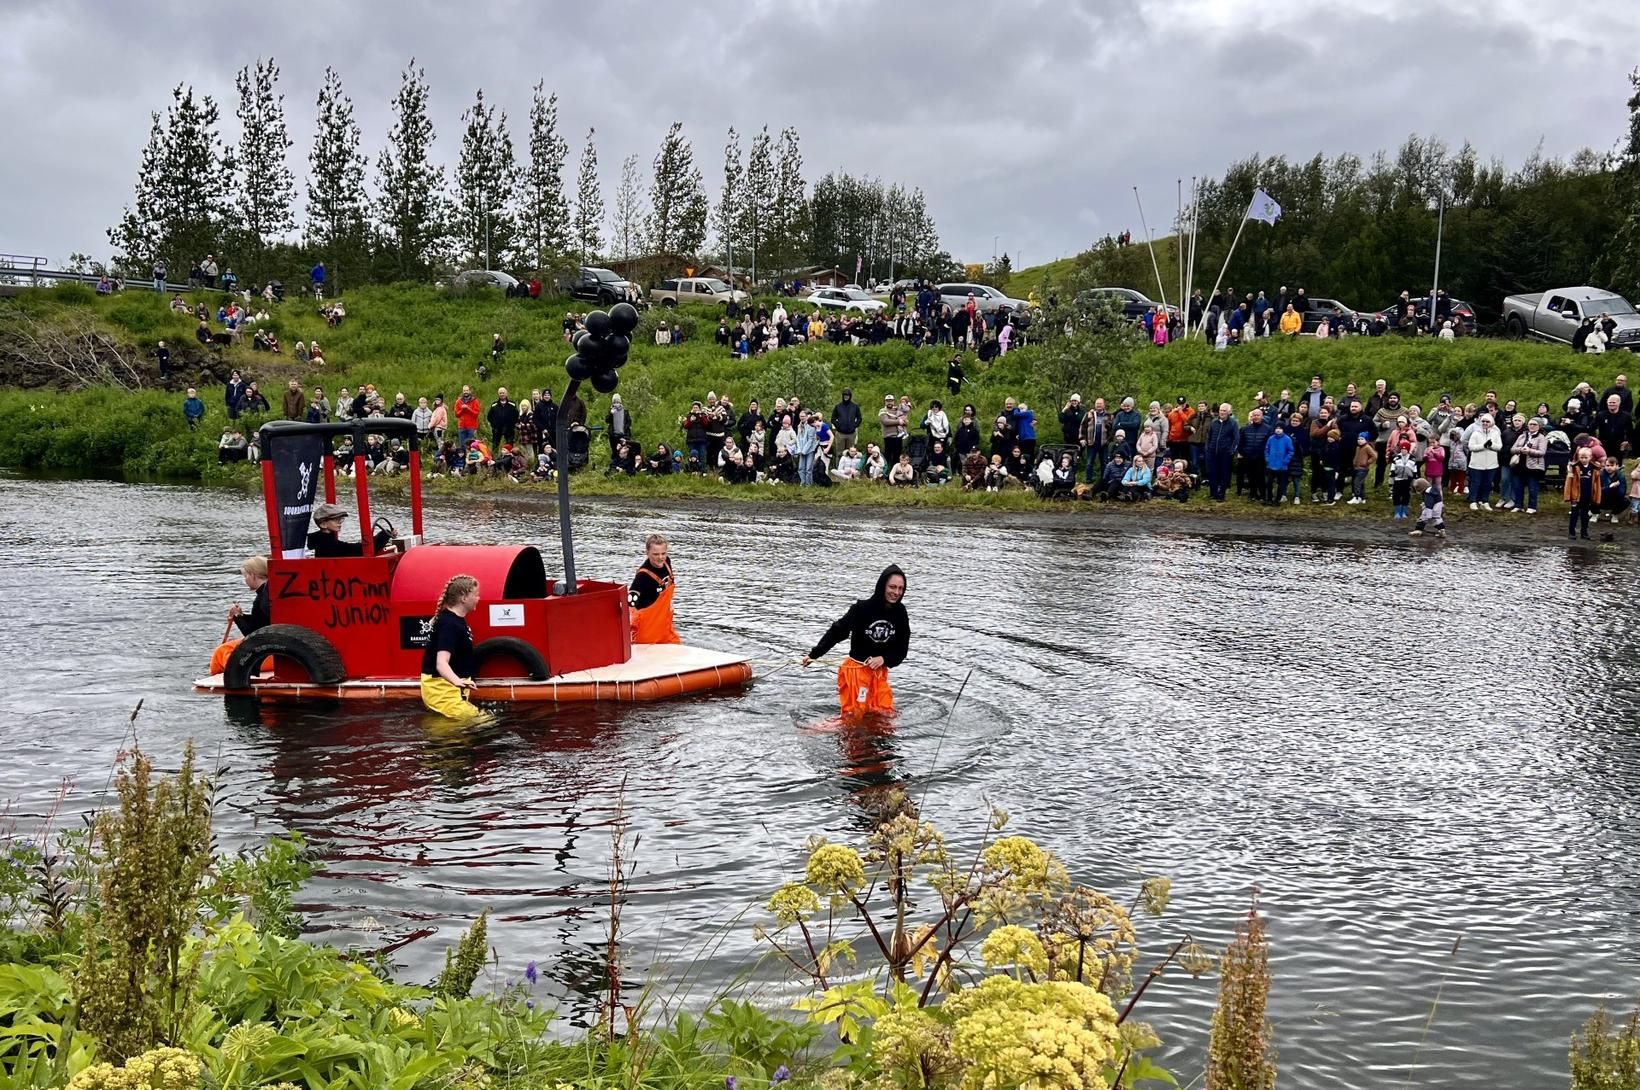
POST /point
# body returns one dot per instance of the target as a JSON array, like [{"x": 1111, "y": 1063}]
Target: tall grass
[{"x": 421, "y": 341}]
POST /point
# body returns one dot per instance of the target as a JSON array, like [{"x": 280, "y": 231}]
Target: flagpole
[
  {"x": 1222, "y": 270},
  {"x": 1190, "y": 275},
  {"x": 1179, "y": 232},
  {"x": 1151, "y": 246},
  {"x": 1440, "y": 223}
]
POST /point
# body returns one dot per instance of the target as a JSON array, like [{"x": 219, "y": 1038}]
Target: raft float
[{"x": 354, "y": 627}]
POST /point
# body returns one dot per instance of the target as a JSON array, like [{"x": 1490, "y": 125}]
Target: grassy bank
[{"x": 420, "y": 341}]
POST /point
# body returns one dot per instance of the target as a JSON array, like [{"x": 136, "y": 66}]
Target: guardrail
[{"x": 39, "y": 276}]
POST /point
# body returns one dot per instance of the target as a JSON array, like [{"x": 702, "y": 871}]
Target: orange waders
[
  {"x": 861, "y": 689},
  {"x": 653, "y": 623}
]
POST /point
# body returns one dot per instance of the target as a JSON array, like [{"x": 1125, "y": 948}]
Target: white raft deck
[{"x": 654, "y": 672}]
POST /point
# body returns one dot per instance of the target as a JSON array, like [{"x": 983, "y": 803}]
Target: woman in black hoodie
[{"x": 878, "y": 631}]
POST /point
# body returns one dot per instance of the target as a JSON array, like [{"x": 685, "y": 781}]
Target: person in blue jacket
[
  {"x": 1024, "y": 422},
  {"x": 1223, "y": 435},
  {"x": 1278, "y": 460},
  {"x": 1250, "y": 475},
  {"x": 193, "y": 409},
  {"x": 1299, "y": 432}
]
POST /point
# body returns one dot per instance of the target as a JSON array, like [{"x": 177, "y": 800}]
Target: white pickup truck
[{"x": 1556, "y": 315}]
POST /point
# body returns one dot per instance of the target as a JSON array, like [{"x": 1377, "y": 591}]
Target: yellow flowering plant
[{"x": 1052, "y": 959}]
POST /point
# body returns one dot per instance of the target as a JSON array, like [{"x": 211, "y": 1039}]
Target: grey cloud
[{"x": 1031, "y": 121}]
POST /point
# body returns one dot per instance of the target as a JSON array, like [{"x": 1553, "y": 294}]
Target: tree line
[
  {"x": 498, "y": 207},
  {"x": 1363, "y": 231}
]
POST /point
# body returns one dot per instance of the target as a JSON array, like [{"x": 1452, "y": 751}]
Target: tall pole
[
  {"x": 570, "y": 585},
  {"x": 1225, "y": 267},
  {"x": 1178, "y": 238},
  {"x": 1195, "y": 224},
  {"x": 1149, "y": 243},
  {"x": 1440, "y": 223}
]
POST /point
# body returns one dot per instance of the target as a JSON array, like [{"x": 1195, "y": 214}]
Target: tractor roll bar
[{"x": 273, "y": 431}]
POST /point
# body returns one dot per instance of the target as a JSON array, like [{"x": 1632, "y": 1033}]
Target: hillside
[{"x": 422, "y": 342}]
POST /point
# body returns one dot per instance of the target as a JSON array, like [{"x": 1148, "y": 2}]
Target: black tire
[
  {"x": 1515, "y": 327},
  {"x": 669, "y": 303},
  {"x": 303, "y": 646},
  {"x": 607, "y": 298},
  {"x": 534, "y": 663}
]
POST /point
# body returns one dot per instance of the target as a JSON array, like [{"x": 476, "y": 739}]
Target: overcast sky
[{"x": 1024, "y": 122}]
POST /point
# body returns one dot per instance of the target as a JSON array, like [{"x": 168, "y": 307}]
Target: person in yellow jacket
[
  {"x": 1292, "y": 322},
  {"x": 447, "y": 664}
]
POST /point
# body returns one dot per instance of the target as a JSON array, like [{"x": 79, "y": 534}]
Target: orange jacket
[
  {"x": 1574, "y": 488},
  {"x": 1178, "y": 419},
  {"x": 467, "y": 413}
]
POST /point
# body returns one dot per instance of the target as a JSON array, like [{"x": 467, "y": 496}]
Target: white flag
[{"x": 1264, "y": 208}]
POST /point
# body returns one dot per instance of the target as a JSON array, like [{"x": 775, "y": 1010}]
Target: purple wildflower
[
  {"x": 781, "y": 1074},
  {"x": 529, "y": 1004},
  {"x": 530, "y": 973},
  {"x": 729, "y": 1083}
]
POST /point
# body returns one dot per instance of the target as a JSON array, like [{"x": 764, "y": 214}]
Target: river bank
[
  {"x": 422, "y": 342},
  {"x": 945, "y": 505}
]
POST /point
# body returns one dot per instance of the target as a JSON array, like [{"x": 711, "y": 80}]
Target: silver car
[
  {"x": 846, "y": 299},
  {"x": 486, "y": 278},
  {"x": 988, "y": 299}
]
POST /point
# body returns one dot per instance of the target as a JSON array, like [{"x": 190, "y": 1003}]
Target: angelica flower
[
  {"x": 1021, "y": 860},
  {"x": 836, "y": 868},
  {"x": 1014, "y": 945},
  {"x": 792, "y": 902}
]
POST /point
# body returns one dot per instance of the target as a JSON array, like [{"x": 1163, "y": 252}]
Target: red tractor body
[{"x": 356, "y": 626}]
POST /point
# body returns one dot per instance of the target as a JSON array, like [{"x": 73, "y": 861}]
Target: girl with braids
[{"x": 447, "y": 663}]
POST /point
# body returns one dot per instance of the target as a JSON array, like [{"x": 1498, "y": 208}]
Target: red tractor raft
[{"x": 355, "y": 627}]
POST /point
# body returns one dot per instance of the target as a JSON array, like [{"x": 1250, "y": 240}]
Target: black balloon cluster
[{"x": 601, "y": 348}]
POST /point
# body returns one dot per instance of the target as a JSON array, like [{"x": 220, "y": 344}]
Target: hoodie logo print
[{"x": 879, "y": 631}]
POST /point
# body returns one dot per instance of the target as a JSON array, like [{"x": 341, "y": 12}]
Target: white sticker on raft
[{"x": 507, "y": 616}]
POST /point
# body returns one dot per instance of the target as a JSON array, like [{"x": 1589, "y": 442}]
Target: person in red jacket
[{"x": 468, "y": 413}]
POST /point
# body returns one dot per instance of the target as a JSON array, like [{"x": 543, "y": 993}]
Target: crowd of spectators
[{"x": 1352, "y": 447}]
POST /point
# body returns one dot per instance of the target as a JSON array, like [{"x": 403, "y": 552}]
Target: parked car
[
  {"x": 846, "y": 299},
  {"x": 1133, "y": 304},
  {"x": 696, "y": 289},
  {"x": 485, "y": 278},
  {"x": 1555, "y": 315},
  {"x": 907, "y": 284},
  {"x": 1321, "y": 309},
  {"x": 989, "y": 299},
  {"x": 601, "y": 286},
  {"x": 1462, "y": 313}
]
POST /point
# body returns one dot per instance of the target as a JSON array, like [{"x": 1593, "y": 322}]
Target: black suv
[{"x": 598, "y": 286}]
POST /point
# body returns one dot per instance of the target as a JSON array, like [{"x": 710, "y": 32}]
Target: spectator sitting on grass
[
  {"x": 903, "y": 473},
  {"x": 973, "y": 472},
  {"x": 231, "y": 447},
  {"x": 1136, "y": 482}
]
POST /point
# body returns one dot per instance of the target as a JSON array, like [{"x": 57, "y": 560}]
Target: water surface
[{"x": 1396, "y": 748}]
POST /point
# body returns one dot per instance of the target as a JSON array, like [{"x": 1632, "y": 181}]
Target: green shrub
[{"x": 1606, "y": 1055}]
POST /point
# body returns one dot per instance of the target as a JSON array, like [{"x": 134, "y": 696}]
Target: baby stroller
[
  {"x": 580, "y": 446},
  {"x": 917, "y": 447},
  {"x": 278, "y": 289}
]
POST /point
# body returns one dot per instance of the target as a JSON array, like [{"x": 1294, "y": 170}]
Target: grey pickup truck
[{"x": 1556, "y": 315}]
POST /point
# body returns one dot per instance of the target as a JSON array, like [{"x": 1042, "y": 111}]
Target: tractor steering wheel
[{"x": 383, "y": 532}]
